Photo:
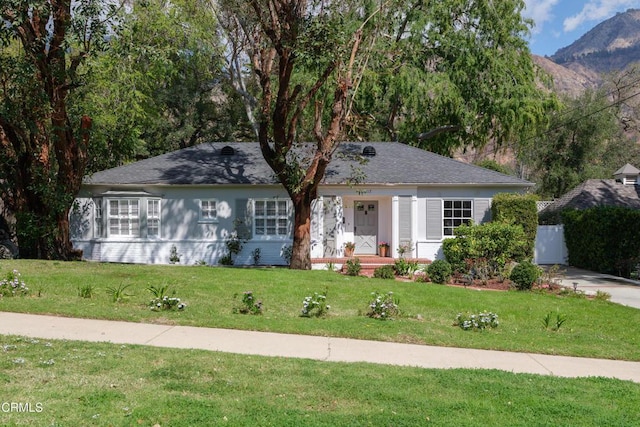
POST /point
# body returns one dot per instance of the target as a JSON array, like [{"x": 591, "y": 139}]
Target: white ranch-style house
[{"x": 193, "y": 199}]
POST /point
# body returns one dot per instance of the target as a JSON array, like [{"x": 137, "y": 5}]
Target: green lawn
[
  {"x": 68, "y": 383},
  {"x": 593, "y": 328}
]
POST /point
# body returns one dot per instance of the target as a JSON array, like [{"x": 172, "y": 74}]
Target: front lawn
[
  {"x": 592, "y": 328},
  {"x": 66, "y": 383}
]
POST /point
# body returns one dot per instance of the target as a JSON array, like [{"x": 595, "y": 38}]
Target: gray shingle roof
[
  {"x": 598, "y": 192},
  {"x": 394, "y": 163}
]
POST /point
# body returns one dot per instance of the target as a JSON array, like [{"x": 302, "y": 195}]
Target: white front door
[{"x": 366, "y": 227}]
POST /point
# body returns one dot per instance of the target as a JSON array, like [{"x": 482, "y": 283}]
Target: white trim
[
  {"x": 266, "y": 218},
  {"x": 207, "y": 220},
  {"x": 453, "y": 218}
]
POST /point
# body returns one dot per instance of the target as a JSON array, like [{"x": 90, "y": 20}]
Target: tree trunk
[{"x": 301, "y": 254}]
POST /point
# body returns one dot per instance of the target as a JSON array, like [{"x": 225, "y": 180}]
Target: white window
[
  {"x": 153, "y": 218},
  {"x": 208, "y": 210},
  {"x": 124, "y": 217},
  {"x": 271, "y": 218},
  {"x": 456, "y": 213},
  {"x": 98, "y": 218}
]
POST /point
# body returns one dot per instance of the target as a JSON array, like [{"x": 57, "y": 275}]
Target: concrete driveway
[{"x": 622, "y": 291}]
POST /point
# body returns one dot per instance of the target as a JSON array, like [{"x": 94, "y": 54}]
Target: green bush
[
  {"x": 612, "y": 243},
  {"x": 439, "y": 271},
  {"x": 385, "y": 272},
  {"x": 524, "y": 275},
  {"x": 354, "y": 267},
  {"x": 518, "y": 209},
  {"x": 498, "y": 243}
]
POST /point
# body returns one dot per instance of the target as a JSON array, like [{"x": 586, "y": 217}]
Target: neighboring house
[
  {"x": 623, "y": 190},
  {"x": 195, "y": 198}
]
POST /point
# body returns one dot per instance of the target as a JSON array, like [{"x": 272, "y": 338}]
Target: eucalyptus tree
[
  {"x": 457, "y": 71},
  {"x": 44, "y": 147}
]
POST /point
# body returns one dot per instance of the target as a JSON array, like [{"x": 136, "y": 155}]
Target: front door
[{"x": 366, "y": 227}]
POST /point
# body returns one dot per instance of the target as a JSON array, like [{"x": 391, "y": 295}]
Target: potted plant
[
  {"x": 349, "y": 247},
  {"x": 383, "y": 249}
]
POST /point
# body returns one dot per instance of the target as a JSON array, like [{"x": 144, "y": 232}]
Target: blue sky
[{"x": 561, "y": 22}]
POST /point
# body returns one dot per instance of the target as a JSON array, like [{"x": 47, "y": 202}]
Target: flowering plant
[
  {"x": 383, "y": 306},
  {"x": 383, "y": 245},
  {"x": 477, "y": 322},
  {"x": 249, "y": 304},
  {"x": 13, "y": 285},
  {"x": 163, "y": 302},
  {"x": 349, "y": 245},
  {"x": 315, "y": 306}
]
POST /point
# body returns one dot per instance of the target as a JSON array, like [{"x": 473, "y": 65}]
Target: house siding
[{"x": 418, "y": 219}]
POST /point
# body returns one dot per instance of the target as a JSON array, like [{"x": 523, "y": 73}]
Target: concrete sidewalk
[{"x": 310, "y": 347}]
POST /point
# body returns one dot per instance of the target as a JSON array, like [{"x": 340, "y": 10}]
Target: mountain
[{"x": 611, "y": 46}]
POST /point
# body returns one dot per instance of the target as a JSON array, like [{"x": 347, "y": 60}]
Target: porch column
[
  {"x": 317, "y": 227},
  {"x": 414, "y": 225},
  {"x": 395, "y": 226}
]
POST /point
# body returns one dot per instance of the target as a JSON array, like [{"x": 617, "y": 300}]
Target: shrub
[
  {"x": 404, "y": 267},
  {"x": 612, "y": 244},
  {"x": 353, "y": 267},
  {"x": 13, "y": 285},
  {"x": 524, "y": 275},
  {"x": 385, "y": 272},
  {"x": 161, "y": 301},
  {"x": 383, "y": 306},
  {"x": 518, "y": 209},
  {"x": 248, "y": 305},
  {"x": 315, "y": 306},
  {"x": 439, "y": 271},
  {"x": 497, "y": 243},
  {"x": 476, "y": 322}
]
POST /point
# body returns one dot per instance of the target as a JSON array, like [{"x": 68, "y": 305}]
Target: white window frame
[
  {"x": 154, "y": 217},
  {"x": 455, "y": 219},
  {"x": 98, "y": 218},
  {"x": 208, "y": 217},
  {"x": 128, "y": 219},
  {"x": 277, "y": 219}
]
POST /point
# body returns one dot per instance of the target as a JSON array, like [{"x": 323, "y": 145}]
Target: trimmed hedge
[
  {"x": 604, "y": 239},
  {"x": 518, "y": 209}
]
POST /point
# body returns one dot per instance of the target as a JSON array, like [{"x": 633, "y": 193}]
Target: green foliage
[
  {"x": 497, "y": 243},
  {"x": 85, "y": 291},
  {"x": 518, "y": 209},
  {"x": 161, "y": 301},
  {"x": 553, "y": 323},
  {"x": 117, "y": 293},
  {"x": 315, "y": 306},
  {"x": 353, "y": 266},
  {"x": 524, "y": 275},
  {"x": 13, "y": 285},
  {"x": 385, "y": 272},
  {"x": 585, "y": 140},
  {"x": 405, "y": 268},
  {"x": 440, "y": 271},
  {"x": 383, "y": 306},
  {"x": 476, "y": 322},
  {"x": 249, "y": 304},
  {"x": 612, "y": 243},
  {"x": 174, "y": 256}
]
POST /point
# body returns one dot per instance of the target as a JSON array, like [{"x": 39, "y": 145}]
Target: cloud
[
  {"x": 596, "y": 10},
  {"x": 539, "y": 11}
]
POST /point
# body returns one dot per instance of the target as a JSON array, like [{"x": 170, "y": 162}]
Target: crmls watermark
[{"x": 21, "y": 407}]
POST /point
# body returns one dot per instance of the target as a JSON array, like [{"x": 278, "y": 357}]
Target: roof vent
[
  {"x": 369, "y": 151},
  {"x": 628, "y": 175},
  {"x": 227, "y": 151}
]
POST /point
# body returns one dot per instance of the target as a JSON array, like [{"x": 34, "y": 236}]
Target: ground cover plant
[
  {"x": 99, "y": 384},
  {"x": 595, "y": 328}
]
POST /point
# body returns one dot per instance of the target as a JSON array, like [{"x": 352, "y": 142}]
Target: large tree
[
  {"x": 43, "y": 150},
  {"x": 378, "y": 69}
]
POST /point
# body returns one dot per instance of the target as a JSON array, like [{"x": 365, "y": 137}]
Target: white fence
[{"x": 550, "y": 245}]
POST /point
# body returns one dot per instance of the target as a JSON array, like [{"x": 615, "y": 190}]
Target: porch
[{"x": 368, "y": 263}]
